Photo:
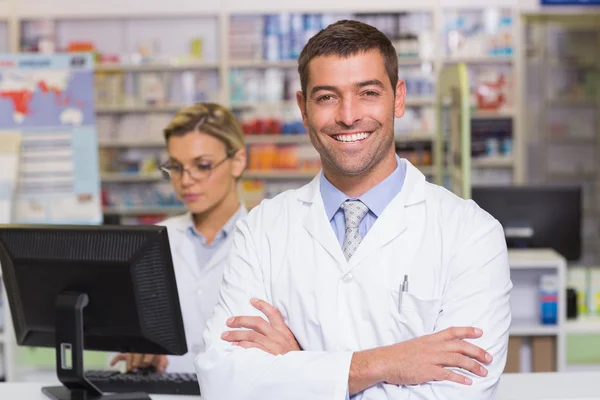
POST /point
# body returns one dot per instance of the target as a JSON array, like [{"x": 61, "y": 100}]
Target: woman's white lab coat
[
  {"x": 197, "y": 285},
  {"x": 286, "y": 252}
]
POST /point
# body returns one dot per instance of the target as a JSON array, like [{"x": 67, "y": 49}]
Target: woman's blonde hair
[{"x": 209, "y": 118}]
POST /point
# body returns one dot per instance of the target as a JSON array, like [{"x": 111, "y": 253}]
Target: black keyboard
[{"x": 146, "y": 382}]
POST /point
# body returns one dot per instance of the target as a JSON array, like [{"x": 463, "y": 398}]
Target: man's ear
[
  {"x": 400, "y": 99},
  {"x": 301, "y": 101}
]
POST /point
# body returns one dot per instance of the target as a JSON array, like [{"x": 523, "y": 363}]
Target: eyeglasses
[{"x": 200, "y": 171}]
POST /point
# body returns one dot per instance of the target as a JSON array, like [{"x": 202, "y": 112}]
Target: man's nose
[{"x": 348, "y": 112}]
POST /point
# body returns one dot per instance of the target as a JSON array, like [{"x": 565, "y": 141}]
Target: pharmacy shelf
[
  {"x": 492, "y": 162},
  {"x": 269, "y": 105},
  {"x": 456, "y": 175},
  {"x": 131, "y": 211},
  {"x": 414, "y": 137},
  {"x": 480, "y": 114},
  {"x": 129, "y": 178},
  {"x": 533, "y": 258},
  {"x": 278, "y": 139},
  {"x": 588, "y": 140},
  {"x": 583, "y": 325},
  {"x": 263, "y": 64},
  {"x": 479, "y": 60},
  {"x": 532, "y": 328},
  {"x": 138, "y": 109},
  {"x": 566, "y": 102},
  {"x": 527, "y": 266},
  {"x": 131, "y": 143},
  {"x": 428, "y": 170},
  {"x": 420, "y": 101},
  {"x": 155, "y": 67},
  {"x": 575, "y": 175},
  {"x": 414, "y": 60}
]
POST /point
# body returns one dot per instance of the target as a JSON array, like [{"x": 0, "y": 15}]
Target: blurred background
[{"x": 502, "y": 107}]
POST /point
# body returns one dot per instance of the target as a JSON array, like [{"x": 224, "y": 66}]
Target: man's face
[{"x": 349, "y": 111}]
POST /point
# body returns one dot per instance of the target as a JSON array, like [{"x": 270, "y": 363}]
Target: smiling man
[{"x": 369, "y": 282}]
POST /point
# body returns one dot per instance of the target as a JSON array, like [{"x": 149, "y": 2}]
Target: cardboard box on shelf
[
  {"x": 513, "y": 359},
  {"x": 543, "y": 353}
]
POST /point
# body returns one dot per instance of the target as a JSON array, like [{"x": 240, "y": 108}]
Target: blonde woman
[{"x": 207, "y": 156}]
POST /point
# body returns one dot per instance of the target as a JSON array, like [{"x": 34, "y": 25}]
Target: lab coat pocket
[{"x": 414, "y": 316}]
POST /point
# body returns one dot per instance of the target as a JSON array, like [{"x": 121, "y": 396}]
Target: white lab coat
[
  {"x": 286, "y": 252},
  {"x": 197, "y": 285}
]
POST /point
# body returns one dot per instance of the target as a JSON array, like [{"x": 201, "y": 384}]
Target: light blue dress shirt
[
  {"x": 204, "y": 250},
  {"x": 376, "y": 199}
]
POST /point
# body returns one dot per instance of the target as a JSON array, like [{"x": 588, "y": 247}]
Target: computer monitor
[
  {"x": 106, "y": 288},
  {"x": 536, "y": 216}
]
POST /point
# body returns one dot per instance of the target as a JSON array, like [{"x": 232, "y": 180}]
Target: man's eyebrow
[
  {"x": 323, "y": 87},
  {"x": 370, "y": 82}
]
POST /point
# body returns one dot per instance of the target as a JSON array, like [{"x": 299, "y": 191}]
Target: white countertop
[
  {"x": 533, "y": 386},
  {"x": 550, "y": 386}
]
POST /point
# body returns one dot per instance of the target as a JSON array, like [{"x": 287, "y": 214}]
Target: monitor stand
[{"x": 69, "y": 355}]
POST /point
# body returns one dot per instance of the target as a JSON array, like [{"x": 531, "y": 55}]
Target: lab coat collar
[
  {"x": 413, "y": 190},
  {"x": 392, "y": 222}
]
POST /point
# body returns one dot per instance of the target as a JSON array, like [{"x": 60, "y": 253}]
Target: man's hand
[
  {"x": 134, "y": 361},
  {"x": 272, "y": 337},
  {"x": 420, "y": 360}
]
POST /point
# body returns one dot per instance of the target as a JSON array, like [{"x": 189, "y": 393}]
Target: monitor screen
[
  {"x": 126, "y": 272},
  {"x": 536, "y": 216}
]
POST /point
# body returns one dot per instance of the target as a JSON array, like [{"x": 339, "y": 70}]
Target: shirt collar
[
  {"x": 376, "y": 199},
  {"x": 223, "y": 233}
]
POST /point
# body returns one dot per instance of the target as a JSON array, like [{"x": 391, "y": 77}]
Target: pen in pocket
[{"x": 403, "y": 288}]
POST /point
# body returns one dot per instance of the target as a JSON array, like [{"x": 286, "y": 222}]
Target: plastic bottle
[{"x": 549, "y": 299}]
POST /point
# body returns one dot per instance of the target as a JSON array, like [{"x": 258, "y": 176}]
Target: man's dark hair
[{"x": 346, "y": 38}]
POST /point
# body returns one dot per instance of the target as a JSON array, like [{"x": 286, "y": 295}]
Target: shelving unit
[
  {"x": 493, "y": 95},
  {"x": 527, "y": 268},
  {"x": 454, "y": 105},
  {"x": 583, "y": 325},
  {"x": 130, "y": 211},
  {"x": 218, "y": 58},
  {"x": 526, "y": 328},
  {"x": 562, "y": 71}
]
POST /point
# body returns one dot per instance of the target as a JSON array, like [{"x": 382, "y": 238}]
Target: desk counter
[
  {"x": 538, "y": 386},
  {"x": 550, "y": 386}
]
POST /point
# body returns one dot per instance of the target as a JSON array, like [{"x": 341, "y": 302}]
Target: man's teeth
[{"x": 352, "y": 138}]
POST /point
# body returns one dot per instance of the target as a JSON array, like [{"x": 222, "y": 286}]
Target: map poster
[{"x": 49, "y": 101}]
